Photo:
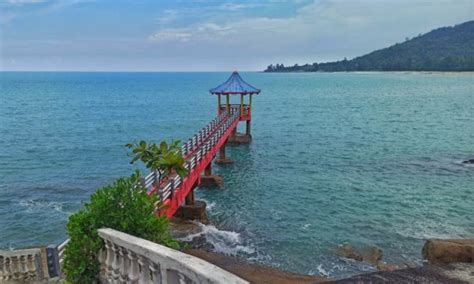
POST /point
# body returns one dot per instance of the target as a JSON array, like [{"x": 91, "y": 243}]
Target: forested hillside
[{"x": 443, "y": 49}]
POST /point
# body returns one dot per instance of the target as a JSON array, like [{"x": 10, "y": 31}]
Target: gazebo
[{"x": 235, "y": 85}]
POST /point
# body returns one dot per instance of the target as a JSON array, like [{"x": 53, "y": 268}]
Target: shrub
[{"x": 121, "y": 206}]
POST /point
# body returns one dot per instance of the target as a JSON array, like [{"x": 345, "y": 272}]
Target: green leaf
[{"x": 118, "y": 206}]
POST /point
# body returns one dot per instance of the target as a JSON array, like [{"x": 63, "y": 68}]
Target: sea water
[{"x": 370, "y": 159}]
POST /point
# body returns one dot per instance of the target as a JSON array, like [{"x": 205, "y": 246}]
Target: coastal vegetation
[
  {"x": 443, "y": 49},
  {"x": 124, "y": 206}
]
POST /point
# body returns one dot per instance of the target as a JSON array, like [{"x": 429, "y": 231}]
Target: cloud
[
  {"x": 215, "y": 35},
  {"x": 25, "y": 1},
  {"x": 170, "y": 35},
  {"x": 168, "y": 16},
  {"x": 236, "y": 6},
  {"x": 327, "y": 27},
  {"x": 202, "y": 32},
  {"x": 22, "y": 8}
]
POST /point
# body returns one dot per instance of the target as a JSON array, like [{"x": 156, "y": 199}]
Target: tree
[
  {"x": 124, "y": 206},
  {"x": 167, "y": 159}
]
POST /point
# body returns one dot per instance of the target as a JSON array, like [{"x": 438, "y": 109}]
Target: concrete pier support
[
  {"x": 196, "y": 212},
  {"x": 192, "y": 209},
  {"x": 222, "y": 160},
  {"x": 190, "y": 198},
  {"x": 208, "y": 170},
  {"x": 239, "y": 139},
  {"x": 210, "y": 180}
]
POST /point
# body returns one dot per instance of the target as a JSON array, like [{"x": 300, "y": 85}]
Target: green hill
[{"x": 443, "y": 49}]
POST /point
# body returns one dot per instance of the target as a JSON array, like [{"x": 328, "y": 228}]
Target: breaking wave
[
  {"x": 225, "y": 242},
  {"x": 33, "y": 206}
]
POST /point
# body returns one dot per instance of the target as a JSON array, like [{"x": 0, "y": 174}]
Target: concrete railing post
[
  {"x": 135, "y": 260},
  {"x": 23, "y": 265}
]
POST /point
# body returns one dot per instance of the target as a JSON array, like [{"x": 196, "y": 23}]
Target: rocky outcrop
[
  {"x": 455, "y": 273},
  {"x": 383, "y": 266},
  {"x": 252, "y": 272},
  {"x": 348, "y": 251},
  {"x": 371, "y": 255},
  {"x": 448, "y": 251}
]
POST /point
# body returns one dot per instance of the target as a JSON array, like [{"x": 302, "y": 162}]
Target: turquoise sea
[{"x": 372, "y": 159}]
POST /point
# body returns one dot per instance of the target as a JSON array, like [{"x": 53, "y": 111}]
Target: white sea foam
[
  {"x": 210, "y": 206},
  {"x": 226, "y": 242},
  {"x": 433, "y": 230},
  {"x": 321, "y": 271},
  {"x": 337, "y": 268},
  {"x": 40, "y": 205}
]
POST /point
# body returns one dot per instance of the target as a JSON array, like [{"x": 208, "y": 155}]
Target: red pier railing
[{"x": 199, "y": 152}]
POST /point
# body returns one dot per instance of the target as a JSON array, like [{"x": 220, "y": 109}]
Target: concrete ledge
[
  {"x": 211, "y": 181},
  {"x": 448, "y": 251},
  {"x": 170, "y": 266},
  {"x": 193, "y": 212},
  {"x": 239, "y": 138}
]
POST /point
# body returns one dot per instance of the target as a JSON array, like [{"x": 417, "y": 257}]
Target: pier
[
  {"x": 209, "y": 144},
  {"x": 127, "y": 259}
]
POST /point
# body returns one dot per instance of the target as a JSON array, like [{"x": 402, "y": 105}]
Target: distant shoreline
[
  {"x": 248, "y": 71},
  {"x": 377, "y": 72},
  {"x": 446, "y": 49}
]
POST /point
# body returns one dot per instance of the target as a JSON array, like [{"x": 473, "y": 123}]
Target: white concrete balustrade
[
  {"x": 20, "y": 265},
  {"x": 128, "y": 259}
]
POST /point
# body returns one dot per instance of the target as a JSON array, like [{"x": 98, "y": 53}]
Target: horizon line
[{"x": 131, "y": 71}]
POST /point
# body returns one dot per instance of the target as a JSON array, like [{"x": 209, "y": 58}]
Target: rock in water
[
  {"x": 348, "y": 251},
  {"x": 372, "y": 255},
  {"x": 448, "y": 251},
  {"x": 382, "y": 266},
  {"x": 470, "y": 161}
]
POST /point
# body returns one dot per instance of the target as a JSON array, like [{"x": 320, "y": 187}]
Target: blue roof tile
[{"x": 234, "y": 85}]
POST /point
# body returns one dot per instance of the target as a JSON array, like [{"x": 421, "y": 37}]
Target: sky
[{"x": 158, "y": 35}]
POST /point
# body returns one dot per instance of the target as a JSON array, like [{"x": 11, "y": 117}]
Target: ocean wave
[
  {"x": 226, "y": 242},
  {"x": 33, "y": 206},
  {"x": 341, "y": 268},
  {"x": 422, "y": 230},
  {"x": 321, "y": 271},
  {"x": 210, "y": 205}
]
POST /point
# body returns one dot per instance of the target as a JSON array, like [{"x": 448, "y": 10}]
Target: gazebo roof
[{"x": 234, "y": 85}]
